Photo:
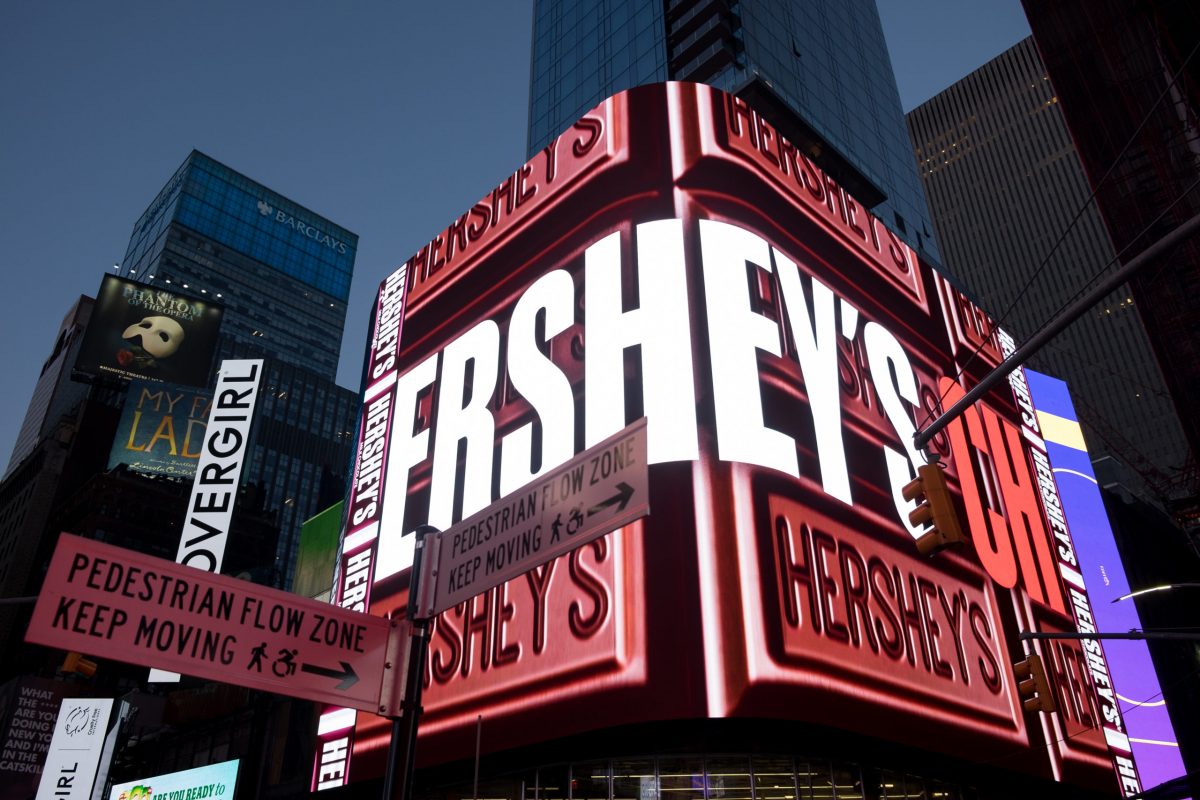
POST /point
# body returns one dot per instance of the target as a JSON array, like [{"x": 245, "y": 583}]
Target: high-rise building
[
  {"x": 55, "y": 394},
  {"x": 819, "y": 70},
  {"x": 1004, "y": 182},
  {"x": 281, "y": 271},
  {"x": 1127, "y": 76},
  {"x": 283, "y": 275}
]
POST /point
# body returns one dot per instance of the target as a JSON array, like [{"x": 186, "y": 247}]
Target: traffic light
[
  {"x": 936, "y": 510},
  {"x": 1032, "y": 685},
  {"x": 76, "y": 663}
]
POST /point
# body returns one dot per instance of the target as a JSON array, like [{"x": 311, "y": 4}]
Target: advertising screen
[
  {"x": 673, "y": 256},
  {"x": 161, "y": 429},
  {"x": 28, "y": 709},
  {"x": 1135, "y": 682},
  {"x": 318, "y": 553},
  {"x": 142, "y": 331},
  {"x": 217, "y": 781}
]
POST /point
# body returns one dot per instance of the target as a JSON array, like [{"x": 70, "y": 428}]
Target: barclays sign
[{"x": 301, "y": 227}]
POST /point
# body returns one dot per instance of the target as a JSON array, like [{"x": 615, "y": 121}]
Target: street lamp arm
[
  {"x": 1161, "y": 588},
  {"x": 1181, "y": 635}
]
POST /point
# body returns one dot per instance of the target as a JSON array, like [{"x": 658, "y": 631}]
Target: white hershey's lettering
[{"x": 660, "y": 328}]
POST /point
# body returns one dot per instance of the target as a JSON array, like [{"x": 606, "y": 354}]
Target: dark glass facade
[
  {"x": 1004, "y": 182},
  {"x": 1127, "y": 75},
  {"x": 584, "y": 52},
  {"x": 1113, "y": 64},
  {"x": 282, "y": 272},
  {"x": 300, "y": 456},
  {"x": 283, "y": 275},
  {"x": 819, "y": 70}
]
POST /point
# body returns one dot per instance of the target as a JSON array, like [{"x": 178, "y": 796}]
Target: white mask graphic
[{"x": 158, "y": 336}]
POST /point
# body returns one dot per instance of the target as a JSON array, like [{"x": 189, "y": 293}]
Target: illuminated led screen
[
  {"x": 140, "y": 331},
  {"x": 673, "y": 256},
  {"x": 162, "y": 428},
  {"x": 216, "y": 781},
  {"x": 1135, "y": 680}
]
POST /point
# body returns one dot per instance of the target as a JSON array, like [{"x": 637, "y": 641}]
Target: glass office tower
[
  {"x": 1127, "y": 76},
  {"x": 819, "y": 70},
  {"x": 281, "y": 271},
  {"x": 1005, "y": 182},
  {"x": 283, "y": 274}
]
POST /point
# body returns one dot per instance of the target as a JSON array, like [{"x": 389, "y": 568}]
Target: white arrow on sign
[{"x": 598, "y": 491}]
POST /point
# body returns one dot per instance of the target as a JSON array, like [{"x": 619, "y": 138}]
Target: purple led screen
[{"x": 1150, "y": 732}]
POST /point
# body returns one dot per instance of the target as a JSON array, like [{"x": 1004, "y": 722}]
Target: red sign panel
[
  {"x": 898, "y": 633},
  {"x": 673, "y": 256},
  {"x": 114, "y": 603}
]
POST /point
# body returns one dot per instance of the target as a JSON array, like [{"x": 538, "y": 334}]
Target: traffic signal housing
[
  {"x": 1032, "y": 685},
  {"x": 76, "y": 663},
  {"x": 936, "y": 510}
]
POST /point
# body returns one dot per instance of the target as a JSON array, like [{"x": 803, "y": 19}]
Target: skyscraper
[
  {"x": 283, "y": 275},
  {"x": 984, "y": 146},
  {"x": 55, "y": 394},
  {"x": 1127, "y": 75},
  {"x": 1005, "y": 183},
  {"x": 281, "y": 271},
  {"x": 819, "y": 69}
]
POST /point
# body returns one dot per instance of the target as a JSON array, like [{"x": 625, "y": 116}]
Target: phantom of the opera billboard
[
  {"x": 673, "y": 256},
  {"x": 147, "y": 332}
]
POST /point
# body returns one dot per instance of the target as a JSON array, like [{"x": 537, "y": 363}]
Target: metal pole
[
  {"x": 1189, "y": 637},
  {"x": 402, "y": 750},
  {"x": 1055, "y": 326},
  {"x": 478, "y": 735},
  {"x": 412, "y": 706},
  {"x": 389, "y": 774}
]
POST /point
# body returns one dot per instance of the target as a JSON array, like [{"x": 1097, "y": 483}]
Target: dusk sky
[{"x": 388, "y": 118}]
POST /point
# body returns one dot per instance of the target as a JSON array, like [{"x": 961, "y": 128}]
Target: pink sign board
[{"x": 114, "y": 603}]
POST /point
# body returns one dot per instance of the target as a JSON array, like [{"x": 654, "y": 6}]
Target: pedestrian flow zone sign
[
  {"x": 114, "y": 603},
  {"x": 598, "y": 491}
]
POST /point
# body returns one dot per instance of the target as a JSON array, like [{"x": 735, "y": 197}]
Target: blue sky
[{"x": 388, "y": 118}]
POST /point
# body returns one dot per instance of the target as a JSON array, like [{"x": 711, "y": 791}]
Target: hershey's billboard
[{"x": 674, "y": 256}]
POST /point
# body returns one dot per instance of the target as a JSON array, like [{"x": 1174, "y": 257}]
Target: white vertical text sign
[{"x": 218, "y": 473}]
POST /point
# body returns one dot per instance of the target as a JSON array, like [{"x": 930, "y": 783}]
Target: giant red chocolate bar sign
[{"x": 684, "y": 262}]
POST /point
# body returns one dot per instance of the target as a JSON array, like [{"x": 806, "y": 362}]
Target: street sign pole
[
  {"x": 402, "y": 751},
  {"x": 596, "y": 492}
]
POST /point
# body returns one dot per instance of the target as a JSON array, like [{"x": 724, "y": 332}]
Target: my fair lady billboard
[{"x": 673, "y": 256}]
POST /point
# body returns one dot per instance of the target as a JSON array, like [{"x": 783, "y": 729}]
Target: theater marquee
[{"x": 673, "y": 256}]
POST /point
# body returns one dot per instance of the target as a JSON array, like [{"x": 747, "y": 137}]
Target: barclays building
[{"x": 283, "y": 274}]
